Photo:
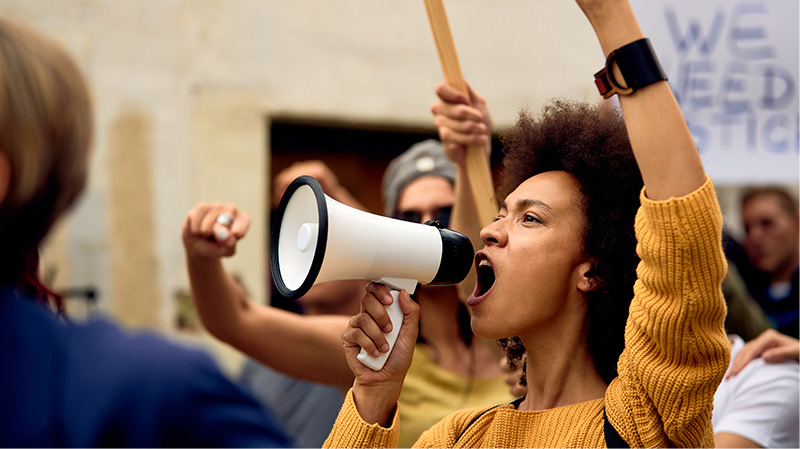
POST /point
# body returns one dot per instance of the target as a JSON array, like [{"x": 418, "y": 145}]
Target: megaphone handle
[{"x": 396, "y": 316}]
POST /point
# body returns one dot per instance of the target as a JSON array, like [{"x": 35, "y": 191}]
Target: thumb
[
  {"x": 450, "y": 94},
  {"x": 407, "y": 305},
  {"x": 410, "y": 311},
  {"x": 221, "y": 233},
  {"x": 477, "y": 100}
]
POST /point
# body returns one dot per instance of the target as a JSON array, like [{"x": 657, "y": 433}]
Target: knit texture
[
  {"x": 676, "y": 350},
  {"x": 355, "y": 432},
  {"x": 675, "y": 356}
]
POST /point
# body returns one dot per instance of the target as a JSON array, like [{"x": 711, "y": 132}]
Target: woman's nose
[{"x": 493, "y": 233}]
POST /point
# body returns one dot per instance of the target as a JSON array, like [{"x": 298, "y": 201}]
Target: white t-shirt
[{"x": 760, "y": 403}]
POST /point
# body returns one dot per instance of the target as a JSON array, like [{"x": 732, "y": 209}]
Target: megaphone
[{"x": 316, "y": 239}]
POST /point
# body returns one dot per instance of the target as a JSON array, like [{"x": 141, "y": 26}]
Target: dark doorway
[{"x": 357, "y": 155}]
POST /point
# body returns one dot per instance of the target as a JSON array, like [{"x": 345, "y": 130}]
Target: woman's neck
[{"x": 560, "y": 371}]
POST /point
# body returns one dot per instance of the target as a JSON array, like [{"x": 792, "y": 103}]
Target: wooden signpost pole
[{"x": 480, "y": 176}]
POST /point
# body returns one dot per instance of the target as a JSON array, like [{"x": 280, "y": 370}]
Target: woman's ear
[
  {"x": 5, "y": 176},
  {"x": 587, "y": 281}
]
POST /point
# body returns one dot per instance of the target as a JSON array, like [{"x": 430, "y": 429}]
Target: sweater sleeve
[
  {"x": 676, "y": 351},
  {"x": 350, "y": 430}
]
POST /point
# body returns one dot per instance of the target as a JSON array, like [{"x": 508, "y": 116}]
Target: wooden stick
[{"x": 478, "y": 171}]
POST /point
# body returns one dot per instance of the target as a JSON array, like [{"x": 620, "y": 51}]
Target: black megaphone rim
[{"x": 322, "y": 238}]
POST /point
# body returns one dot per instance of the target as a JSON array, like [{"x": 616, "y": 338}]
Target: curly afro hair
[{"x": 591, "y": 143}]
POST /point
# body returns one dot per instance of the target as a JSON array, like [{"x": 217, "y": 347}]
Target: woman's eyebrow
[{"x": 525, "y": 203}]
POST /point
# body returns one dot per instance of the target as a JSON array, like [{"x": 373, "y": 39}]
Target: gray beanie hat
[{"x": 425, "y": 158}]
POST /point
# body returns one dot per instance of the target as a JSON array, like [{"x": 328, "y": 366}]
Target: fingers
[
  {"x": 367, "y": 329},
  {"x": 241, "y": 224},
  {"x": 194, "y": 218},
  {"x": 781, "y": 354},
  {"x": 466, "y": 127},
  {"x": 457, "y": 104},
  {"x": 457, "y": 112},
  {"x": 771, "y": 345},
  {"x": 747, "y": 354},
  {"x": 365, "y": 333},
  {"x": 377, "y": 309},
  {"x": 461, "y": 132},
  {"x": 210, "y": 224},
  {"x": 462, "y": 120}
]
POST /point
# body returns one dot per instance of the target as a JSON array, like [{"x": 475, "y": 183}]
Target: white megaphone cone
[{"x": 316, "y": 239}]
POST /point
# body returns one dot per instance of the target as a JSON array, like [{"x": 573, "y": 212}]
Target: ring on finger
[{"x": 225, "y": 219}]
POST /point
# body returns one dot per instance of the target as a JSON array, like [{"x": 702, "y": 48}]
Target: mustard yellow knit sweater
[{"x": 676, "y": 353}]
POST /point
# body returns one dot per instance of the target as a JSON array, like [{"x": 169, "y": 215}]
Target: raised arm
[
  {"x": 675, "y": 345},
  {"x": 661, "y": 141},
  {"x": 463, "y": 120},
  {"x": 305, "y": 347}
]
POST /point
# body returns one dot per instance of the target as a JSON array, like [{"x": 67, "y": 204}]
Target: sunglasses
[{"x": 442, "y": 215}]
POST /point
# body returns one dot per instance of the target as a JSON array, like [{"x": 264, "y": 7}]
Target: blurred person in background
[
  {"x": 772, "y": 242},
  {"x": 451, "y": 368},
  {"x": 92, "y": 385},
  {"x": 745, "y": 316}
]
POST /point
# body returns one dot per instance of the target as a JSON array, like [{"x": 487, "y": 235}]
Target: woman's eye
[{"x": 528, "y": 218}]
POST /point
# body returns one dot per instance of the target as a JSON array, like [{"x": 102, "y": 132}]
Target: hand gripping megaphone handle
[{"x": 395, "y": 315}]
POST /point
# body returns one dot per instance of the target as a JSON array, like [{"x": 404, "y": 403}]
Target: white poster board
[{"x": 733, "y": 65}]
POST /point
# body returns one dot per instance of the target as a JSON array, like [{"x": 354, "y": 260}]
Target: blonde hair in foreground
[{"x": 45, "y": 134}]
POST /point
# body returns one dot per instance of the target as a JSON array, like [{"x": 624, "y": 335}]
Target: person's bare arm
[
  {"x": 726, "y": 439},
  {"x": 463, "y": 120},
  {"x": 661, "y": 141},
  {"x": 305, "y": 347}
]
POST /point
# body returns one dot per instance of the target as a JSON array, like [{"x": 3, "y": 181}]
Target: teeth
[{"x": 484, "y": 263}]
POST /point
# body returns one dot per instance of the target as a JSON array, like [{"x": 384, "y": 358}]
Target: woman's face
[{"x": 531, "y": 272}]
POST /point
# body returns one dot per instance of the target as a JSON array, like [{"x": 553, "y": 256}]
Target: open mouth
[{"x": 485, "y": 275}]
